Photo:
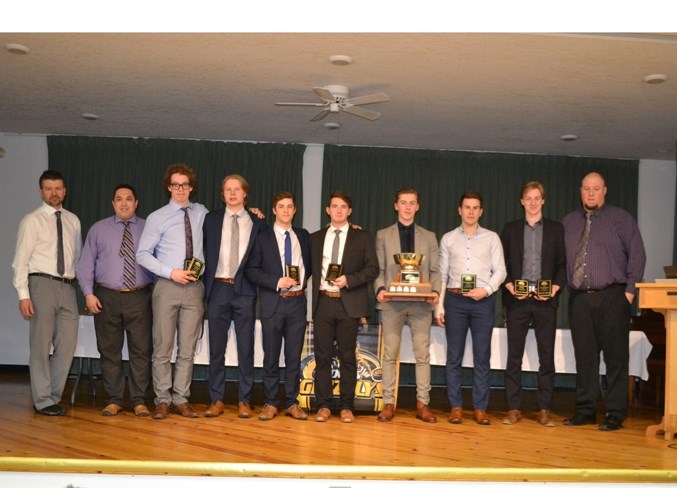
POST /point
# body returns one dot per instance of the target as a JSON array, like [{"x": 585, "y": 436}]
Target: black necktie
[{"x": 60, "y": 265}]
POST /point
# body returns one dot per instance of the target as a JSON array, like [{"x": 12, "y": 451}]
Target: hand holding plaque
[
  {"x": 544, "y": 289},
  {"x": 333, "y": 271},
  {"x": 194, "y": 265},
  {"x": 468, "y": 283},
  {"x": 292, "y": 271},
  {"x": 521, "y": 288}
]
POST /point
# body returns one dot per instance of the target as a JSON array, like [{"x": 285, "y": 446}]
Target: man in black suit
[
  {"x": 280, "y": 266},
  {"x": 534, "y": 250},
  {"x": 230, "y": 295},
  {"x": 339, "y": 303}
]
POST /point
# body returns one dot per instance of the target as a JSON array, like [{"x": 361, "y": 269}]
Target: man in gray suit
[{"x": 405, "y": 236}]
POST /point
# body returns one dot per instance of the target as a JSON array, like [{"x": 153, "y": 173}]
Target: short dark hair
[
  {"x": 471, "y": 194},
  {"x": 404, "y": 191},
  {"x": 51, "y": 174},
  {"x": 281, "y": 195},
  {"x": 126, "y": 186},
  {"x": 181, "y": 169},
  {"x": 343, "y": 196}
]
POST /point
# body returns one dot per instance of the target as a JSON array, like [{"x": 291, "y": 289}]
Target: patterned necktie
[
  {"x": 127, "y": 254},
  {"x": 234, "y": 246},
  {"x": 335, "y": 247},
  {"x": 287, "y": 248},
  {"x": 579, "y": 262},
  {"x": 189, "y": 233},
  {"x": 60, "y": 265}
]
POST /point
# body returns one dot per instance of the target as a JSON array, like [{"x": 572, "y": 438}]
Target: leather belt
[
  {"x": 230, "y": 281},
  {"x": 124, "y": 290},
  {"x": 331, "y": 294},
  {"x": 287, "y": 294},
  {"x": 68, "y": 281},
  {"x": 455, "y": 291}
]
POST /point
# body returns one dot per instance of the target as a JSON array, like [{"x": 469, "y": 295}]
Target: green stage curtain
[
  {"x": 371, "y": 176},
  {"x": 93, "y": 166}
]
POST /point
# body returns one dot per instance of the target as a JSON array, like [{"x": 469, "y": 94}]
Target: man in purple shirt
[
  {"x": 117, "y": 291},
  {"x": 605, "y": 259}
]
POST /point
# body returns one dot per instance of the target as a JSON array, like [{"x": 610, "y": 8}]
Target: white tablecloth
[{"x": 640, "y": 347}]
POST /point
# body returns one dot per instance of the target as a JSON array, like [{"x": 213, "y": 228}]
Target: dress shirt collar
[
  {"x": 344, "y": 229},
  {"x": 117, "y": 219},
  {"x": 282, "y": 230},
  {"x": 175, "y": 206}
]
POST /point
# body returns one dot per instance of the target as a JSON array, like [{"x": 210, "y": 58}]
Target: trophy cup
[{"x": 408, "y": 285}]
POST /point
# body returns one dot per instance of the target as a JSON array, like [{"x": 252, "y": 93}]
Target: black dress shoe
[
  {"x": 52, "y": 411},
  {"x": 611, "y": 423},
  {"x": 581, "y": 419}
]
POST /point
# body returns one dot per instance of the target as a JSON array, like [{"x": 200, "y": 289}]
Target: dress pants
[
  {"x": 600, "y": 321},
  {"x": 332, "y": 323},
  {"x": 55, "y": 323},
  {"x": 288, "y": 322},
  {"x": 226, "y": 305},
  {"x": 123, "y": 314},
  {"x": 419, "y": 319},
  {"x": 178, "y": 313},
  {"x": 543, "y": 316},
  {"x": 460, "y": 314}
]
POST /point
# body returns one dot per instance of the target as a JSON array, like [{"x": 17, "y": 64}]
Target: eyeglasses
[{"x": 182, "y": 186}]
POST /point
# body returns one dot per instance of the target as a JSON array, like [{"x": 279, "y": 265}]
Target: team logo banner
[{"x": 368, "y": 390}]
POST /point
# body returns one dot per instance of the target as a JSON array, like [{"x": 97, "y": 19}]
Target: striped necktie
[{"x": 127, "y": 254}]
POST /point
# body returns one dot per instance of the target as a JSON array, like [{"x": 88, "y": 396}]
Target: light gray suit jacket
[{"x": 388, "y": 244}]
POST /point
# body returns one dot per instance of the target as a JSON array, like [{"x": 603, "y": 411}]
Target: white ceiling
[{"x": 487, "y": 92}]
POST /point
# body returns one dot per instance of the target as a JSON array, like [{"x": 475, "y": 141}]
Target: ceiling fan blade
[
  {"x": 299, "y": 104},
  {"x": 367, "y": 99},
  {"x": 362, "y": 112},
  {"x": 320, "y": 115},
  {"x": 324, "y": 94}
]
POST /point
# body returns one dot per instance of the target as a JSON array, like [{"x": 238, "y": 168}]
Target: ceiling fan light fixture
[
  {"x": 569, "y": 137},
  {"x": 17, "y": 48},
  {"x": 90, "y": 116},
  {"x": 340, "y": 60},
  {"x": 332, "y": 125},
  {"x": 655, "y": 79}
]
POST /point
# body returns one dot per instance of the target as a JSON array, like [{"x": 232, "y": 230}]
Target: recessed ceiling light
[
  {"x": 90, "y": 116},
  {"x": 332, "y": 125},
  {"x": 340, "y": 60},
  {"x": 569, "y": 137},
  {"x": 17, "y": 48},
  {"x": 655, "y": 79}
]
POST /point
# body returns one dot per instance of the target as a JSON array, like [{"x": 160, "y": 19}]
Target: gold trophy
[{"x": 408, "y": 287}]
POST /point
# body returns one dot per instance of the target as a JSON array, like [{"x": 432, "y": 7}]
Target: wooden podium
[{"x": 662, "y": 297}]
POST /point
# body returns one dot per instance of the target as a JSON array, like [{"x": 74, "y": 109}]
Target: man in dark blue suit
[
  {"x": 280, "y": 266},
  {"x": 229, "y": 237},
  {"x": 533, "y": 247}
]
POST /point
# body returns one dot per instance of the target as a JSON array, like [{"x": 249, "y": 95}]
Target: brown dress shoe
[
  {"x": 481, "y": 417},
  {"x": 269, "y": 412},
  {"x": 323, "y": 415},
  {"x": 244, "y": 411},
  {"x": 514, "y": 416},
  {"x": 111, "y": 410},
  {"x": 215, "y": 409},
  {"x": 543, "y": 417},
  {"x": 456, "y": 415},
  {"x": 161, "y": 411},
  {"x": 387, "y": 414},
  {"x": 424, "y": 413},
  {"x": 296, "y": 412},
  {"x": 141, "y": 410},
  {"x": 185, "y": 409},
  {"x": 347, "y": 416}
]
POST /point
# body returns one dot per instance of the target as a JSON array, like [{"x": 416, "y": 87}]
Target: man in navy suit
[
  {"x": 229, "y": 237},
  {"x": 533, "y": 247},
  {"x": 340, "y": 303},
  {"x": 280, "y": 266}
]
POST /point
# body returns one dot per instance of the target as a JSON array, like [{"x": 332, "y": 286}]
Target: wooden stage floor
[{"x": 84, "y": 441}]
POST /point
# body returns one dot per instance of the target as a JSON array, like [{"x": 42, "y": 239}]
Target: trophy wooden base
[{"x": 423, "y": 292}]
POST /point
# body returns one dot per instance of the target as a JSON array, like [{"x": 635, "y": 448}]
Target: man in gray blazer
[{"x": 405, "y": 236}]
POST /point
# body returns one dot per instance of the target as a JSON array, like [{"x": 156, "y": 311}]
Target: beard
[{"x": 590, "y": 208}]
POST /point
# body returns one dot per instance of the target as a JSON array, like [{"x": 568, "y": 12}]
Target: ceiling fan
[{"x": 335, "y": 99}]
